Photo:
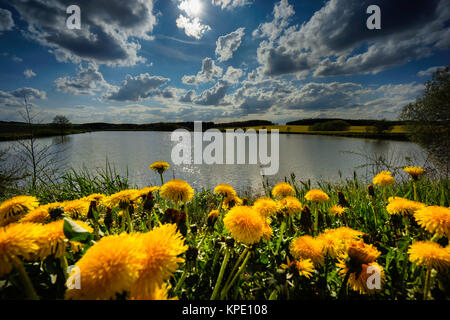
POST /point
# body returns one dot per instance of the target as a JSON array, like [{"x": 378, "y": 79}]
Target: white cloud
[
  {"x": 429, "y": 71},
  {"x": 229, "y": 43},
  {"x": 208, "y": 73},
  {"x": 231, "y": 4},
  {"x": 15, "y": 98},
  {"x": 138, "y": 88},
  {"x": 192, "y": 26},
  {"x": 282, "y": 11},
  {"x": 233, "y": 75},
  {"x": 6, "y": 20},
  {"x": 89, "y": 80},
  {"x": 29, "y": 73}
]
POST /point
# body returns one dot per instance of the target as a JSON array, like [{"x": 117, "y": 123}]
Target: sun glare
[{"x": 192, "y": 7}]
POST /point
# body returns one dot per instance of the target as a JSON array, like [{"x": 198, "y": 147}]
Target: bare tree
[{"x": 38, "y": 159}]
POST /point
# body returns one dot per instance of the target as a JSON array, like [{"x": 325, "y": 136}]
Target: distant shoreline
[{"x": 397, "y": 136}]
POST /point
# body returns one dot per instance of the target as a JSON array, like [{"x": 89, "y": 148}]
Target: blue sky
[{"x": 141, "y": 61}]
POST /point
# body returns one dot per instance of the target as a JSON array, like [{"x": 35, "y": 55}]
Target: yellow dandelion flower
[
  {"x": 145, "y": 191},
  {"x": 414, "y": 172},
  {"x": 122, "y": 198},
  {"x": 97, "y": 197},
  {"x": 109, "y": 267},
  {"x": 18, "y": 240},
  {"x": 13, "y": 209},
  {"x": 267, "y": 230},
  {"x": 359, "y": 281},
  {"x": 403, "y": 206},
  {"x": 338, "y": 210},
  {"x": 434, "y": 219},
  {"x": 77, "y": 208},
  {"x": 383, "y": 179},
  {"x": 304, "y": 267},
  {"x": 158, "y": 293},
  {"x": 177, "y": 190},
  {"x": 225, "y": 190},
  {"x": 317, "y": 196},
  {"x": 362, "y": 253},
  {"x": 283, "y": 189},
  {"x": 38, "y": 215},
  {"x": 231, "y": 202},
  {"x": 266, "y": 206},
  {"x": 347, "y": 234},
  {"x": 52, "y": 240},
  {"x": 430, "y": 255},
  {"x": 159, "y": 166},
  {"x": 214, "y": 214},
  {"x": 162, "y": 247},
  {"x": 290, "y": 206},
  {"x": 245, "y": 224},
  {"x": 307, "y": 247},
  {"x": 335, "y": 240},
  {"x": 212, "y": 218}
]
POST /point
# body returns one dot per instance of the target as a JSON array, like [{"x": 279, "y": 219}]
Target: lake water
[{"x": 312, "y": 157}]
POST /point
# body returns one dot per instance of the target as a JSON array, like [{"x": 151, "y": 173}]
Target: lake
[{"x": 312, "y": 157}]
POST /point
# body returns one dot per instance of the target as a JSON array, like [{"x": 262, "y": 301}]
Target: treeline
[
  {"x": 359, "y": 122},
  {"x": 18, "y": 130}
]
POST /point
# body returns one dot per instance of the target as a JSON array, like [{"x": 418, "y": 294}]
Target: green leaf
[{"x": 74, "y": 232}]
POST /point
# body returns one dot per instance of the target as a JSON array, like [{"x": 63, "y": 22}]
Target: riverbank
[{"x": 17, "y": 131}]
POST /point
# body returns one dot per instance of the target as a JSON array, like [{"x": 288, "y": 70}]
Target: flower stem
[
  {"x": 415, "y": 190},
  {"x": 26, "y": 282},
  {"x": 426, "y": 288},
  {"x": 181, "y": 281},
  {"x": 162, "y": 180},
  {"x": 221, "y": 272},
  {"x": 238, "y": 273},
  {"x": 344, "y": 285},
  {"x": 316, "y": 219},
  {"x": 282, "y": 229},
  {"x": 128, "y": 217},
  {"x": 244, "y": 252},
  {"x": 64, "y": 265}
]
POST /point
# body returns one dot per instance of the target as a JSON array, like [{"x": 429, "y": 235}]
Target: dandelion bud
[
  {"x": 305, "y": 218},
  {"x": 342, "y": 201},
  {"x": 149, "y": 202},
  {"x": 92, "y": 207},
  {"x": 56, "y": 213},
  {"x": 108, "y": 220},
  {"x": 371, "y": 191},
  {"x": 229, "y": 242}
]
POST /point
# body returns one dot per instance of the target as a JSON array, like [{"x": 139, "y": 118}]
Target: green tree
[
  {"x": 61, "y": 123},
  {"x": 429, "y": 119},
  {"x": 382, "y": 126}
]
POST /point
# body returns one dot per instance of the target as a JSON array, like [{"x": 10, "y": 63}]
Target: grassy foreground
[{"x": 297, "y": 243}]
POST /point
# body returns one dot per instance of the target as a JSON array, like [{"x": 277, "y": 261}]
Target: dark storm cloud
[
  {"x": 106, "y": 26},
  {"x": 336, "y": 41}
]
